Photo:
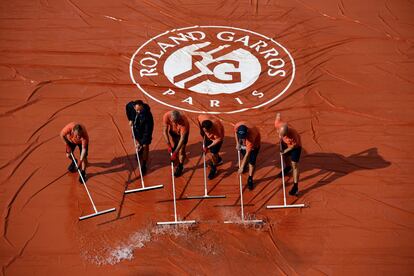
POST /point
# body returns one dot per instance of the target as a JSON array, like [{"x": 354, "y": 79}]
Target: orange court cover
[{"x": 340, "y": 72}]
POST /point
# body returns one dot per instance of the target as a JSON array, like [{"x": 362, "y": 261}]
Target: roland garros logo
[{"x": 212, "y": 69}]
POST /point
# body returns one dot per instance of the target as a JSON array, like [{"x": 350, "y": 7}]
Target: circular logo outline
[{"x": 212, "y": 112}]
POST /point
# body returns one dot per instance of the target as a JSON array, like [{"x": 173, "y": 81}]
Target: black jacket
[{"x": 143, "y": 123}]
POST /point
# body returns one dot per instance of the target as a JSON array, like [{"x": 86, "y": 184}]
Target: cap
[{"x": 242, "y": 132}]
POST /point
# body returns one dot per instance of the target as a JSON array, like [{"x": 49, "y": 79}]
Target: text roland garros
[{"x": 212, "y": 69}]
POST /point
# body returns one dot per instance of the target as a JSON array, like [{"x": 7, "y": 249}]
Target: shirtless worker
[
  {"x": 248, "y": 142},
  {"x": 140, "y": 118},
  {"x": 176, "y": 130},
  {"x": 75, "y": 134},
  {"x": 212, "y": 131},
  {"x": 291, "y": 149}
]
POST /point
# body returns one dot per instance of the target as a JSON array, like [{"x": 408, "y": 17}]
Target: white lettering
[
  {"x": 238, "y": 100},
  {"x": 150, "y": 72},
  {"x": 155, "y": 55},
  {"x": 244, "y": 40},
  {"x": 181, "y": 37},
  {"x": 258, "y": 45},
  {"x": 271, "y": 52},
  {"x": 273, "y": 73},
  {"x": 193, "y": 37},
  {"x": 185, "y": 37},
  {"x": 188, "y": 100},
  {"x": 214, "y": 103},
  {"x": 164, "y": 46},
  {"x": 169, "y": 92},
  {"x": 277, "y": 66},
  {"x": 230, "y": 36},
  {"x": 152, "y": 62},
  {"x": 257, "y": 94}
]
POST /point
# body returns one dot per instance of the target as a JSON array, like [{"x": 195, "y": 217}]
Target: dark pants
[
  {"x": 253, "y": 155},
  {"x": 140, "y": 138},
  {"x": 73, "y": 147},
  {"x": 176, "y": 139},
  {"x": 294, "y": 154},
  {"x": 214, "y": 149}
]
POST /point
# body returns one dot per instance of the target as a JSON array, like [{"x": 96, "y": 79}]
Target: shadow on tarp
[
  {"x": 329, "y": 166},
  {"x": 332, "y": 166}
]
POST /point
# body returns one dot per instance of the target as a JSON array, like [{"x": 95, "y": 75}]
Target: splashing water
[
  {"x": 107, "y": 254},
  {"x": 172, "y": 230},
  {"x": 124, "y": 251}
]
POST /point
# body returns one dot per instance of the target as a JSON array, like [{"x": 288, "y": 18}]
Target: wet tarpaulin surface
[{"x": 351, "y": 100}]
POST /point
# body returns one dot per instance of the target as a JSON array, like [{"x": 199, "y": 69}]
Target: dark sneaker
[
  {"x": 213, "y": 171},
  {"x": 179, "y": 170},
  {"x": 294, "y": 191},
  {"x": 83, "y": 173},
  {"x": 219, "y": 161},
  {"x": 250, "y": 183},
  {"x": 72, "y": 167},
  {"x": 286, "y": 170}
]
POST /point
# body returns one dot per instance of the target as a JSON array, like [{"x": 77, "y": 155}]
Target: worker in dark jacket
[{"x": 140, "y": 118}]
